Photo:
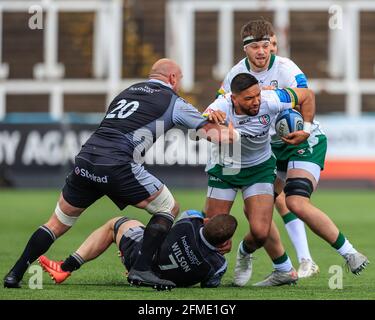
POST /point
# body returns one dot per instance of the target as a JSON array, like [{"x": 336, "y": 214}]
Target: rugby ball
[{"x": 287, "y": 122}]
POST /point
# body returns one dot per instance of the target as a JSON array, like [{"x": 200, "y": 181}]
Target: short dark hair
[
  {"x": 258, "y": 29},
  {"x": 242, "y": 81},
  {"x": 219, "y": 229}
]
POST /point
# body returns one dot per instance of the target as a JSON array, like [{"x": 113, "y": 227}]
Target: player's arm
[
  {"x": 216, "y": 115},
  {"x": 186, "y": 115},
  {"x": 306, "y": 101}
]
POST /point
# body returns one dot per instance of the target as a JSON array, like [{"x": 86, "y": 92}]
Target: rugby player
[
  {"x": 252, "y": 112},
  {"x": 189, "y": 254}
]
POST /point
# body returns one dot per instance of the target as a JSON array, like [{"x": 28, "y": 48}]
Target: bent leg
[
  {"x": 259, "y": 213},
  {"x": 164, "y": 209},
  {"x": 97, "y": 242},
  {"x": 293, "y": 225}
]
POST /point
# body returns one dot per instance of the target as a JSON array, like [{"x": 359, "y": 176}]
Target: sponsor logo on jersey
[
  {"x": 274, "y": 83},
  {"x": 145, "y": 89},
  {"x": 244, "y": 121},
  {"x": 264, "y": 119},
  {"x": 86, "y": 174},
  {"x": 250, "y": 136},
  {"x": 301, "y": 151},
  {"x": 189, "y": 252},
  {"x": 180, "y": 257}
]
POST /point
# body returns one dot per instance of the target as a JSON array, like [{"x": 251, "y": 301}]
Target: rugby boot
[
  {"x": 149, "y": 279},
  {"x": 356, "y": 262},
  {"x": 307, "y": 268},
  {"x": 279, "y": 278},
  {"x": 11, "y": 280},
  {"x": 53, "y": 268}
]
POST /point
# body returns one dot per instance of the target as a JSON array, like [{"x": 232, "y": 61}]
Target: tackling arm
[{"x": 218, "y": 133}]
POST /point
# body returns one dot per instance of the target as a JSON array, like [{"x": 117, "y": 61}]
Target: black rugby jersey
[
  {"x": 136, "y": 118},
  {"x": 186, "y": 258}
]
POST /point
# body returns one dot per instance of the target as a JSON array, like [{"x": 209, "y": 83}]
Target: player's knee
[
  {"x": 157, "y": 228},
  {"x": 298, "y": 187},
  {"x": 164, "y": 202},
  {"x": 260, "y": 236},
  {"x": 297, "y": 206},
  {"x": 110, "y": 224}
]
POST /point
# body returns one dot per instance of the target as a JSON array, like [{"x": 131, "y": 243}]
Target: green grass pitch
[{"x": 21, "y": 212}]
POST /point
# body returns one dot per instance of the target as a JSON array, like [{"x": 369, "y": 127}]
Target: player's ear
[
  {"x": 234, "y": 98},
  {"x": 172, "y": 79}
]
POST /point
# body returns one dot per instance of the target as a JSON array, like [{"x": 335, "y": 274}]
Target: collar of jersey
[
  {"x": 272, "y": 60},
  {"x": 210, "y": 246},
  {"x": 161, "y": 82}
]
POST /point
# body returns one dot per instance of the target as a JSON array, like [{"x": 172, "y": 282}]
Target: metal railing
[{"x": 48, "y": 75}]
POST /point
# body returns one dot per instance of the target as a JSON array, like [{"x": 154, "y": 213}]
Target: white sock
[
  {"x": 346, "y": 248},
  {"x": 297, "y": 234},
  {"x": 283, "y": 267}
]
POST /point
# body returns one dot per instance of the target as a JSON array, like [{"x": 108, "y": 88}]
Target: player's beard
[
  {"x": 260, "y": 63},
  {"x": 250, "y": 112}
]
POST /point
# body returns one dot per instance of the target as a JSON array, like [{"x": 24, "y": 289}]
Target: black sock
[
  {"x": 38, "y": 244},
  {"x": 72, "y": 263},
  {"x": 246, "y": 248},
  {"x": 154, "y": 235}
]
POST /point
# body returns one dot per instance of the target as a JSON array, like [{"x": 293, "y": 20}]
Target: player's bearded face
[
  {"x": 258, "y": 53},
  {"x": 248, "y": 101}
]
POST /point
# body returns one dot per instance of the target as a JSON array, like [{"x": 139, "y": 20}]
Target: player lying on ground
[
  {"x": 189, "y": 255},
  {"x": 110, "y": 163}
]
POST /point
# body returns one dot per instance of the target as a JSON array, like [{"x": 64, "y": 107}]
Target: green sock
[
  {"x": 290, "y": 216},
  {"x": 282, "y": 263},
  {"x": 339, "y": 242},
  {"x": 343, "y": 246}
]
